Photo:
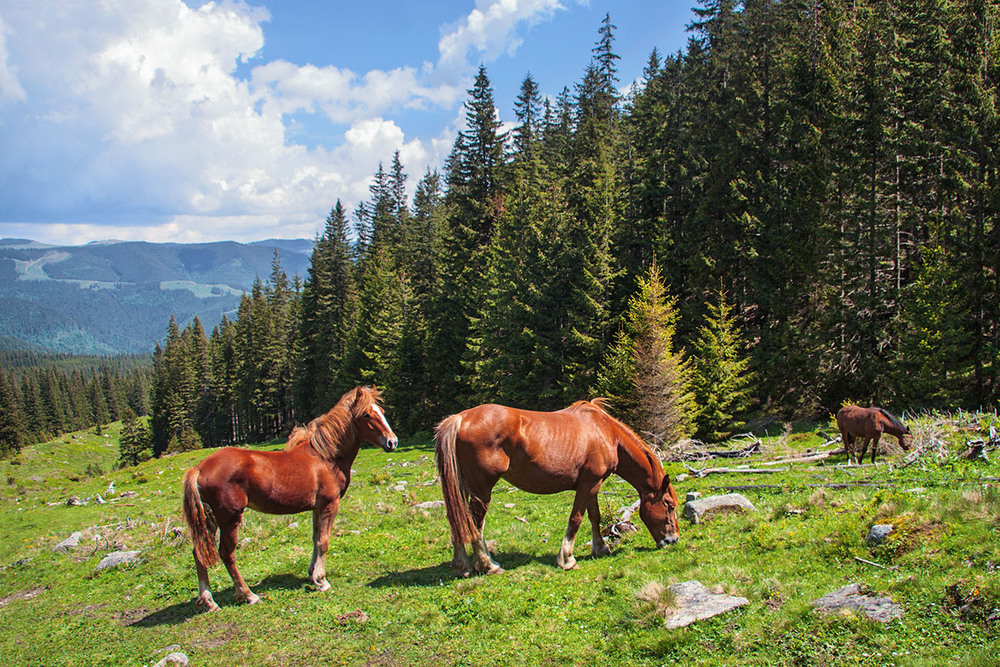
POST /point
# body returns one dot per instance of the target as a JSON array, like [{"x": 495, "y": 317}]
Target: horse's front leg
[
  {"x": 585, "y": 496},
  {"x": 322, "y": 523},
  {"x": 597, "y": 546},
  {"x": 875, "y": 439}
]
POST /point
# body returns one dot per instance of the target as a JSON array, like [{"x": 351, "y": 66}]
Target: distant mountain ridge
[{"x": 109, "y": 297}]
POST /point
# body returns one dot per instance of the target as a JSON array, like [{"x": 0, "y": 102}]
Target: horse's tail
[
  {"x": 453, "y": 486},
  {"x": 195, "y": 517}
]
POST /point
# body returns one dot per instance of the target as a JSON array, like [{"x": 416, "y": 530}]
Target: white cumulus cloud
[{"x": 161, "y": 121}]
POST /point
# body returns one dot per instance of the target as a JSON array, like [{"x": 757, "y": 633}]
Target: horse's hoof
[
  {"x": 570, "y": 564},
  {"x": 252, "y": 599},
  {"x": 494, "y": 569},
  {"x": 322, "y": 585}
]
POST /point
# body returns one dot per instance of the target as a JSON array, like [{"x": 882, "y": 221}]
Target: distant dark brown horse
[
  {"x": 861, "y": 426},
  {"x": 312, "y": 473},
  {"x": 574, "y": 449}
]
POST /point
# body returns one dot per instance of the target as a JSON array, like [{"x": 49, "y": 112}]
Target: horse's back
[{"x": 540, "y": 452}]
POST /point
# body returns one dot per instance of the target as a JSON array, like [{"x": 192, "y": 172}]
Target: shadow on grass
[
  {"x": 182, "y": 611},
  {"x": 435, "y": 575}
]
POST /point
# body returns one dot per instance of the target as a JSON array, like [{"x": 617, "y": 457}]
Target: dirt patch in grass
[{"x": 22, "y": 595}]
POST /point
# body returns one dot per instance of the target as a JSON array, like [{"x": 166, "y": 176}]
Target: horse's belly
[{"x": 538, "y": 480}]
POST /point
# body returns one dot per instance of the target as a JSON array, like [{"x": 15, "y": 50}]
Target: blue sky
[{"x": 177, "y": 120}]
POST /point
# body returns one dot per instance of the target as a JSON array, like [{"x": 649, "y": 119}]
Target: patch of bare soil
[{"x": 22, "y": 595}]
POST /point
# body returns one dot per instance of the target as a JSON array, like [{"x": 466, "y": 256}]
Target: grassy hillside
[{"x": 395, "y": 601}]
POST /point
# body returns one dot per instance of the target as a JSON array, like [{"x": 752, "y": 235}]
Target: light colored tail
[
  {"x": 453, "y": 486},
  {"x": 194, "y": 514}
]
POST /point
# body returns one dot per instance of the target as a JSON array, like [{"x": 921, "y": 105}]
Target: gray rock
[
  {"x": 117, "y": 559},
  {"x": 878, "y": 533},
  {"x": 694, "y": 602},
  {"x": 696, "y": 510},
  {"x": 173, "y": 659},
  {"x": 878, "y": 609},
  {"x": 691, "y": 495},
  {"x": 70, "y": 543},
  {"x": 293, "y": 525},
  {"x": 430, "y": 504}
]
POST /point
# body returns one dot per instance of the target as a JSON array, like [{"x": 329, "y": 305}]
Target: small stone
[
  {"x": 117, "y": 559},
  {"x": 73, "y": 501},
  {"x": 878, "y": 534},
  {"x": 691, "y": 495},
  {"x": 293, "y": 525},
  {"x": 429, "y": 505},
  {"x": 70, "y": 543},
  {"x": 683, "y": 477}
]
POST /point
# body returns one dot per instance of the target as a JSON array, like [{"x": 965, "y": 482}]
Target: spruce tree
[
  {"x": 11, "y": 417},
  {"x": 647, "y": 380},
  {"x": 722, "y": 383}
]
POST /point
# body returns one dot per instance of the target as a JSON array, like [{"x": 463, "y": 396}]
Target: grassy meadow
[{"x": 395, "y": 600}]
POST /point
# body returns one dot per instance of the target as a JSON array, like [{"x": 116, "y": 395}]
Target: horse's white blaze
[{"x": 385, "y": 422}]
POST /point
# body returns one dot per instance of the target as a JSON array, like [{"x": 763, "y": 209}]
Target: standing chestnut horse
[
  {"x": 859, "y": 426},
  {"x": 574, "y": 449},
  {"x": 312, "y": 473}
]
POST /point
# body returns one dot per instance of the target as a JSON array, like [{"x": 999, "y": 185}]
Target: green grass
[{"x": 395, "y": 601}]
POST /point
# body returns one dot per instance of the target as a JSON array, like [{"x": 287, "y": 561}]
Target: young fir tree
[
  {"x": 135, "y": 440},
  {"x": 722, "y": 382},
  {"x": 648, "y": 382}
]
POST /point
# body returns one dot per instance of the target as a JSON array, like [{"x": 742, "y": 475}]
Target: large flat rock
[
  {"x": 879, "y": 609},
  {"x": 696, "y": 510},
  {"x": 695, "y": 602}
]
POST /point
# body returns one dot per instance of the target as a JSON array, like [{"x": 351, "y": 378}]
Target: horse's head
[
  {"x": 658, "y": 510},
  {"x": 370, "y": 421}
]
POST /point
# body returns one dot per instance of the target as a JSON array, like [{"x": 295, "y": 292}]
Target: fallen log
[{"x": 731, "y": 471}]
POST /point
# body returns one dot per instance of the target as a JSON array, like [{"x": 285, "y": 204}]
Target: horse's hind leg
[
  {"x": 229, "y": 532},
  {"x": 481, "y": 559},
  {"x": 322, "y": 522},
  {"x": 205, "y": 598}
]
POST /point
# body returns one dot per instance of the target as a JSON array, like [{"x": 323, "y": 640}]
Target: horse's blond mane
[
  {"x": 601, "y": 404},
  {"x": 330, "y": 432}
]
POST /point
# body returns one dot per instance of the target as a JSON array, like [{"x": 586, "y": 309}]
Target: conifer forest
[{"x": 800, "y": 208}]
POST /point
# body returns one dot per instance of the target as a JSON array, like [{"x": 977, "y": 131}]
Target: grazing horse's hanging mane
[
  {"x": 600, "y": 403},
  {"x": 892, "y": 418},
  {"x": 327, "y": 433}
]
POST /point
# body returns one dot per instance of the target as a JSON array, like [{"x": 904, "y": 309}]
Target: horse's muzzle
[
  {"x": 667, "y": 541},
  {"x": 389, "y": 444}
]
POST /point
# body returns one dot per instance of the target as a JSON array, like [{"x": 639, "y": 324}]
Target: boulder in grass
[
  {"x": 696, "y": 510},
  {"x": 429, "y": 505},
  {"x": 117, "y": 559},
  {"x": 694, "y": 602},
  {"x": 176, "y": 658},
  {"x": 850, "y": 597},
  {"x": 878, "y": 534}
]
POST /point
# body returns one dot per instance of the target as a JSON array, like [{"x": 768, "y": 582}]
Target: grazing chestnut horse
[
  {"x": 574, "y": 449},
  {"x": 312, "y": 473},
  {"x": 859, "y": 426}
]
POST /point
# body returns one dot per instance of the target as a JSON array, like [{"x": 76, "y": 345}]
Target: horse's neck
[{"x": 634, "y": 466}]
